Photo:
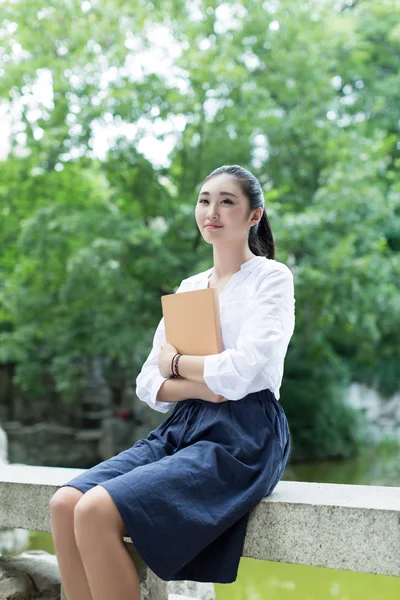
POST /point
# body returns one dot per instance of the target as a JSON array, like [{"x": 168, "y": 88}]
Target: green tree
[{"x": 305, "y": 95}]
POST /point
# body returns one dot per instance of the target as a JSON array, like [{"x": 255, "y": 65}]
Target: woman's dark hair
[{"x": 261, "y": 240}]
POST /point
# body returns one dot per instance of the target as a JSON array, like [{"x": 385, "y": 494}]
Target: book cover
[{"x": 192, "y": 321}]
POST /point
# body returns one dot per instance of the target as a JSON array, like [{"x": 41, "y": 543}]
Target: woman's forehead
[{"x": 223, "y": 182}]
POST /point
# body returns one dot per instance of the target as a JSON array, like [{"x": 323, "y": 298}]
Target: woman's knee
[
  {"x": 64, "y": 501},
  {"x": 96, "y": 510}
]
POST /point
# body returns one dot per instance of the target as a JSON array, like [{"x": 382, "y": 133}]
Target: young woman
[{"x": 183, "y": 494}]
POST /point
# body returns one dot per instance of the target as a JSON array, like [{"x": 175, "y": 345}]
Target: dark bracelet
[
  {"x": 172, "y": 365},
  {"x": 176, "y": 366}
]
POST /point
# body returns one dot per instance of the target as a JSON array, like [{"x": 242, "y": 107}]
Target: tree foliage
[{"x": 306, "y": 95}]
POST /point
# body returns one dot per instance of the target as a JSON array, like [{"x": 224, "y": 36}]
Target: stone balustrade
[{"x": 349, "y": 527}]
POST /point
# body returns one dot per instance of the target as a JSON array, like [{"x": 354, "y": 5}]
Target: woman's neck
[{"x": 223, "y": 269}]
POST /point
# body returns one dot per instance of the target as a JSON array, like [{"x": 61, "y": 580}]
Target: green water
[
  {"x": 263, "y": 580},
  {"x": 378, "y": 466}
]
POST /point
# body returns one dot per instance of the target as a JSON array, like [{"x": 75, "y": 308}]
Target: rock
[
  {"x": 176, "y": 597},
  {"x": 3, "y": 447},
  {"x": 382, "y": 416},
  {"x": 52, "y": 445},
  {"x": 28, "y": 577},
  {"x": 40, "y": 555},
  {"x": 188, "y": 590},
  {"x": 116, "y": 436},
  {"x": 96, "y": 397},
  {"x": 35, "y": 575}
]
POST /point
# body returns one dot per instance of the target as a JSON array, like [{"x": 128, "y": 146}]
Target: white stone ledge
[{"x": 349, "y": 527}]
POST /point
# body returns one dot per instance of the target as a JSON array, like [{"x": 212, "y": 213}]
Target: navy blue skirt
[{"x": 185, "y": 491}]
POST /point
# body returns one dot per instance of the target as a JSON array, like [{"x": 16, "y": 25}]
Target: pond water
[{"x": 263, "y": 580}]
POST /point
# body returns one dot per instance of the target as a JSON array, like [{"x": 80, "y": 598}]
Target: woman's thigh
[{"x": 143, "y": 452}]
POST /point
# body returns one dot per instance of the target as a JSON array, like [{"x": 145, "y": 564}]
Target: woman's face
[{"x": 221, "y": 201}]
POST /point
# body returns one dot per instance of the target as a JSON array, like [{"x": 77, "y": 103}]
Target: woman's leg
[
  {"x": 99, "y": 532},
  {"x": 72, "y": 572}
]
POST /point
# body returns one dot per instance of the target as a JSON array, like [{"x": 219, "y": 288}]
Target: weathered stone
[
  {"x": 178, "y": 597},
  {"x": 96, "y": 397},
  {"x": 52, "y": 445},
  {"x": 116, "y": 436},
  {"x": 3, "y": 447},
  {"x": 28, "y": 578},
  {"x": 338, "y": 526},
  {"x": 11, "y": 540},
  {"x": 182, "y": 590},
  {"x": 382, "y": 416}
]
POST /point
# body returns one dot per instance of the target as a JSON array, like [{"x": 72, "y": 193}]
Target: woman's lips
[{"x": 214, "y": 226}]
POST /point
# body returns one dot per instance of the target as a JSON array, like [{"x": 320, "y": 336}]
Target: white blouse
[{"x": 257, "y": 308}]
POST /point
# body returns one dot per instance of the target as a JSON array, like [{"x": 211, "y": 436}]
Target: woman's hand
[
  {"x": 209, "y": 396},
  {"x": 217, "y": 399},
  {"x": 165, "y": 358}
]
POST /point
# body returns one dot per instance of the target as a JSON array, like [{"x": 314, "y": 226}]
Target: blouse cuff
[
  {"x": 157, "y": 404},
  {"x": 216, "y": 381}
]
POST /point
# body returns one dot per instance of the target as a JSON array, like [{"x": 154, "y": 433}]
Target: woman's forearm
[
  {"x": 192, "y": 367},
  {"x": 175, "y": 390}
]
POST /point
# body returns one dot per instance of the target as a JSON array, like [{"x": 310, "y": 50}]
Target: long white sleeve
[
  {"x": 149, "y": 380},
  {"x": 254, "y": 364}
]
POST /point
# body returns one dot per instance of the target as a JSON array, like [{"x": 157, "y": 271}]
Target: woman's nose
[{"x": 212, "y": 212}]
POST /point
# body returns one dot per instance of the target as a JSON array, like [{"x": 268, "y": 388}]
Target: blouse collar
[{"x": 249, "y": 264}]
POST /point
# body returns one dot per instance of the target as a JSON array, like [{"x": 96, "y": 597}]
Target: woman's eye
[{"x": 225, "y": 200}]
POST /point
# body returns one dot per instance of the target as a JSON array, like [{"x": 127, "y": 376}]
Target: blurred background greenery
[{"x": 112, "y": 114}]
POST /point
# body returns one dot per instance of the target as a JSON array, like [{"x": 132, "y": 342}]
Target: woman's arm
[
  {"x": 192, "y": 367},
  {"x": 175, "y": 390}
]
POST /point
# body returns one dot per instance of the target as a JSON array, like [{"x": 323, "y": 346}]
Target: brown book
[{"x": 192, "y": 322}]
